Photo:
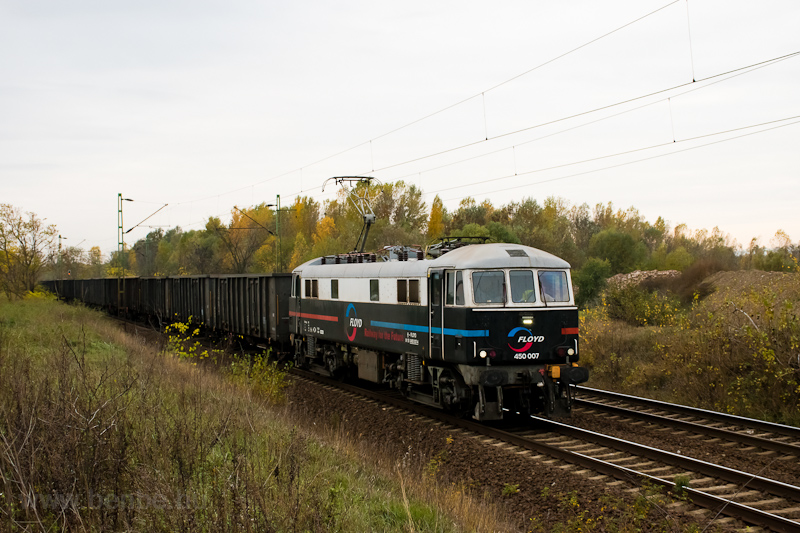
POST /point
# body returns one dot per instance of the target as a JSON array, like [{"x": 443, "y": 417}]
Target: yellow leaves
[
  {"x": 436, "y": 219},
  {"x": 325, "y": 230}
]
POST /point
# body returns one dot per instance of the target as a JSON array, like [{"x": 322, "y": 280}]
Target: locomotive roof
[{"x": 492, "y": 255}]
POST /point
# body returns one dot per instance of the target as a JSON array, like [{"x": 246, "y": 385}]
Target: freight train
[{"x": 482, "y": 330}]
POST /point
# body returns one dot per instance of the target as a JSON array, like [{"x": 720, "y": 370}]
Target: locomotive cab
[{"x": 513, "y": 335}]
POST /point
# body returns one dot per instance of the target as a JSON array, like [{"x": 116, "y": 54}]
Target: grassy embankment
[
  {"x": 736, "y": 350},
  {"x": 100, "y": 431}
]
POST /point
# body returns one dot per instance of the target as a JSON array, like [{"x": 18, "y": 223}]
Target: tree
[
  {"x": 244, "y": 236},
  {"x": 501, "y": 233},
  {"x": 469, "y": 212},
  {"x": 436, "y": 219},
  {"x": 324, "y": 239},
  {"x": 621, "y": 250},
  {"x": 95, "y": 262},
  {"x": 300, "y": 252},
  {"x": 146, "y": 252},
  {"x": 24, "y": 244}
]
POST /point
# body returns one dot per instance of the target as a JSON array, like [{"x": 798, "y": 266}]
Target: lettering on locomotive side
[
  {"x": 531, "y": 338},
  {"x": 353, "y": 325}
]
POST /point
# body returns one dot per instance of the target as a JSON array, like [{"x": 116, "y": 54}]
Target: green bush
[
  {"x": 591, "y": 280},
  {"x": 641, "y": 307},
  {"x": 262, "y": 375}
]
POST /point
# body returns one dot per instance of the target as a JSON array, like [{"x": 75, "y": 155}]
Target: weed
[
  {"x": 510, "y": 489},
  {"x": 681, "y": 484},
  {"x": 265, "y": 377}
]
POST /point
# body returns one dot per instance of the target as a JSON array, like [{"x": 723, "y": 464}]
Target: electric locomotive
[{"x": 485, "y": 330}]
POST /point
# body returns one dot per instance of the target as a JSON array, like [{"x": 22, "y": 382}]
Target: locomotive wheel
[{"x": 334, "y": 363}]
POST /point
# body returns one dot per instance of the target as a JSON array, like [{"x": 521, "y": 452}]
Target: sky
[{"x": 686, "y": 109}]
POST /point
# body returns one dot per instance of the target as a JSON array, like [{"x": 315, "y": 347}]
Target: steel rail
[
  {"x": 777, "y": 488},
  {"x": 750, "y": 440},
  {"x": 780, "y": 429},
  {"x": 708, "y": 501}
]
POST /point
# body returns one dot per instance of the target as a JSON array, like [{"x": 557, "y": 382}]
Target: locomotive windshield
[
  {"x": 554, "y": 286},
  {"x": 525, "y": 287},
  {"x": 522, "y": 290}
]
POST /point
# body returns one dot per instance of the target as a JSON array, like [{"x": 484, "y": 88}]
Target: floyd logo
[
  {"x": 352, "y": 323},
  {"x": 521, "y": 336}
]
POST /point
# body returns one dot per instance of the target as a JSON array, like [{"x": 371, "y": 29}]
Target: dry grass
[{"x": 98, "y": 431}]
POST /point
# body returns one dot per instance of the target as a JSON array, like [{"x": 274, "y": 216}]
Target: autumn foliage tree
[{"x": 25, "y": 243}]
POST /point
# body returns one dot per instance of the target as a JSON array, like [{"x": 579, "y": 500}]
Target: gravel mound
[{"x": 638, "y": 277}]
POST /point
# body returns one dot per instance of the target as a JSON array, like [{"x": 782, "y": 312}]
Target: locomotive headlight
[
  {"x": 527, "y": 320},
  {"x": 571, "y": 351},
  {"x": 482, "y": 354}
]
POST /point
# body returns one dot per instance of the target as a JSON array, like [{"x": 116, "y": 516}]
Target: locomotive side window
[
  {"x": 455, "y": 288},
  {"x": 450, "y": 292},
  {"x": 314, "y": 288},
  {"x": 522, "y": 289},
  {"x": 374, "y": 295},
  {"x": 554, "y": 286},
  {"x": 296, "y": 286},
  {"x": 436, "y": 289},
  {"x": 308, "y": 289},
  {"x": 402, "y": 292},
  {"x": 335, "y": 289},
  {"x": 413, "y": 291}
]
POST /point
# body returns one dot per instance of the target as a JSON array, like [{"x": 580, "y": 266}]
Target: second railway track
[
  {"x": 745, "y": 431},
  {"x": 724, "y": 492}
]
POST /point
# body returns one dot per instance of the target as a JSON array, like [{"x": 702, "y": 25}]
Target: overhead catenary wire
[
  {"x": 590, "y": 111},
  {"x": 487, "y": 138},
  {"x": 674, "y": 152},
  {"x": 693, "y": 88},
  {"x": 740, "y": 71},
  {"x": 448, "y": 107},
  {"x": 618, "y": 165},
  {"x": 616, "y": 154}
]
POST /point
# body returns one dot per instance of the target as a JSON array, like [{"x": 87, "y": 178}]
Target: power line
[
  {"x": 592, "y": 171},
  {"x": 590, "y": 111},
  {"x": 451, "y": 106},
  {"x": 674, "y": 152},
  {"x": 736, "y": 74},
  {"x": 731, "y": 73}
]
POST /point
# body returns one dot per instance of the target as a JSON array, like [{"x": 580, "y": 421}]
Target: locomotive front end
[{"x": 515, "y": 338}]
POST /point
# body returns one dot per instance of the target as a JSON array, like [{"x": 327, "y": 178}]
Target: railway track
[
  {"x": 747, "y": 432},
  {"x": 724, "y": 492}
]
